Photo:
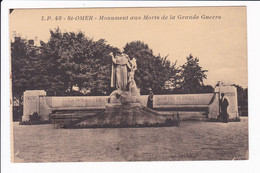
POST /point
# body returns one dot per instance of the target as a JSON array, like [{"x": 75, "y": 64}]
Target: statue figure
[
  {"x": 131, "y": 81},
  {"x": 133, "y": 69},
  {"x": 122, "y": 77},
  {"x": 119, "y": 75}
]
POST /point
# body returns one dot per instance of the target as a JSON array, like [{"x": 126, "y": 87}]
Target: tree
[
  {"x": 27, "y": 71},
  {"x": 207, "y": 89},
  {"x": 152, "y": 71},
  {"x": 242, "y": 95},
  {"x": 25, "y": 67},
  {"x": 66, "y": 61},
  {"x": 18, "y": 61},
  {"x": 192, "y": 76},
  {"x": 78, "y": 61}
]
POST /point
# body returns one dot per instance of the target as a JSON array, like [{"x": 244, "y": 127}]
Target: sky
[{"x": 219, "y": 43}]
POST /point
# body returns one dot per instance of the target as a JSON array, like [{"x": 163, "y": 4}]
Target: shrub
[{"x": 35, "y": 117}]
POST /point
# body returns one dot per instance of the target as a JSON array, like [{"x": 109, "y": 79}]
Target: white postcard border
[{"x": 252, "y": 165}]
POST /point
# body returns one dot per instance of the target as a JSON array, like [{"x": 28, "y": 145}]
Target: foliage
[
  {"x": 35, "y": 117},
  {"x": 71, "y": 60},
  {"x": 207, "y": 89},
  {"x": 192, "y": 76},
  {"x": 67, "y": 60},
  {"x": 152, "y": 71},
  {"x": 17, "y": 113},
  {"x": 242, "y": 95},
  {"x": 79, "y": 61},
  {"x": 26, "y": 66}
]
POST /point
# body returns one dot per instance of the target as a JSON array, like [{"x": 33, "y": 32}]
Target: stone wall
[
  {"x": 182, "y": 99},
  {"x": 37, "y": 101},
  {"x": 231, "y": 95},
  {"x": 31, "y": 102}
]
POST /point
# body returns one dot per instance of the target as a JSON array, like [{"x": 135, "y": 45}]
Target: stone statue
[
  {"x": 122, "y": 77},
  {"x": 119, "y": 75},
  {"x": 131, "y": 81}
]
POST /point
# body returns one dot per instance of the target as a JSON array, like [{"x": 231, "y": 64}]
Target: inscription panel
[
  {"x": 98, "y": 101},
  {"x": 181, "y": 99},
  {"x": 31, "y": 102}
]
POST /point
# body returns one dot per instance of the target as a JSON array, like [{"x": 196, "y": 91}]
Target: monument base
[{"x": 126, "y": 115}]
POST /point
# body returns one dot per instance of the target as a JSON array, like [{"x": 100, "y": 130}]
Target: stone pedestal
[
  {"x": 231, "y": 95},
  {"x": 124, "y": 109},
  {"x": 31, "y": 102},
  {"x": 127, "y": 114}
]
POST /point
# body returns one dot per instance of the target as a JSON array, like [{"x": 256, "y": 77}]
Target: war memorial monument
[
  {"x": 79, "y": 91},
  {"x": 125, "y": 107}
]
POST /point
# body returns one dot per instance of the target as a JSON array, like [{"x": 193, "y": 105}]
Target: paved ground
[{"x": 193, "y": 140}]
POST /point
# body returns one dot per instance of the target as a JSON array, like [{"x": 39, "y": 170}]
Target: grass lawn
[{"x": 193, "y": 140}]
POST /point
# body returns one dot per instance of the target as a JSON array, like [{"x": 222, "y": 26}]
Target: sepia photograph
[{"x": 129, "y": 84}]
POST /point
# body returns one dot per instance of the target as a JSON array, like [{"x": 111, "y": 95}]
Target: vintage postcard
[{"x": 129, "y": 84}]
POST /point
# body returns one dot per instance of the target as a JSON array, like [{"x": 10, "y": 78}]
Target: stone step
[
  {"x": 75, "y": 111},
  {"x": 187, "y": 115},
  {"x": 132, "y": 115},
  {"x": 73, "y": 115}
]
